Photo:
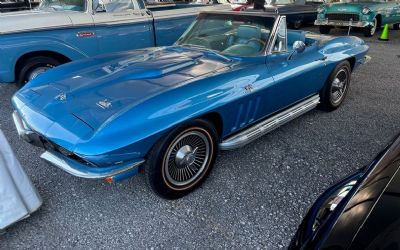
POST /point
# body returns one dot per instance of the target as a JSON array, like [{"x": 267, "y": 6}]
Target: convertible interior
[{"x": 245, "y": 40}]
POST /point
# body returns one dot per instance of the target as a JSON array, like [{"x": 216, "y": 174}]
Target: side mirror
[{"x": 299, "y": 46}]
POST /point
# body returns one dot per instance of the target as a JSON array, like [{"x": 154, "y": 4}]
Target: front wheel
[
  {"x": 370, "y": 30},
  {"x": 336, "y": 87},
  {"x": 33, "y": 67},
  {"x": 396, "y": 26},
  {"x": 182, "y": 160},
  {"x": 324, "y": 29}
]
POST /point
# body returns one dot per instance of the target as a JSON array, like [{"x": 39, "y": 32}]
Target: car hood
[
  {"x": 348, "y": 7},
  {"x": 99, "y": 89},
  {"x": 22, "y": 21}
]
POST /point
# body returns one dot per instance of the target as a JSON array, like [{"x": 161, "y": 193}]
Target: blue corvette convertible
[{"x": 229, "y": 79}]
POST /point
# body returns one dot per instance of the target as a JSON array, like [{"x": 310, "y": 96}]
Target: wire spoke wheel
[
  {"x": 182, "y": 159},
  {"x": 187, "y": 158},
  {"x": 339, "y": 86}
]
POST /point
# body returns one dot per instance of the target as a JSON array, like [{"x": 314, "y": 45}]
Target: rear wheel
[
  {"x": 324, "y": 29},
  {"x": 370, "y": 30},
  {"x": 33, "y": 67},
  {"x": 182, "y": 160},
  {"x": 336, "y": 87}
]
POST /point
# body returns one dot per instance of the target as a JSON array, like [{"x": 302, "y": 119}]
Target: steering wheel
[
  {"x": 259, "y": 41},
  {"x": 241, "y": 50},
  {"x": 200, "y": 41}
]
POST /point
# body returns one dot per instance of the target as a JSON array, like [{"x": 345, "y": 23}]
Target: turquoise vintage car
[{"x": 367, "y": 14}]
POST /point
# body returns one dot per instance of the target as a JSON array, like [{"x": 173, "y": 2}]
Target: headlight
[
  {"x": 320, "y": 10},
  {"x": 365, "y": 10}
]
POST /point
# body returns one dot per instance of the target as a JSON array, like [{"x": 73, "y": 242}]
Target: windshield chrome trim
[
  {"x": 264, "y": 52},
  {"x": 274, "y": 32}
]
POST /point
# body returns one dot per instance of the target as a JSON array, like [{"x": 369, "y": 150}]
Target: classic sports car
[
  {"x": 367, "y": 14},
  {"x": 230, "y": 78},
  {"x": 359, "y": 212}
]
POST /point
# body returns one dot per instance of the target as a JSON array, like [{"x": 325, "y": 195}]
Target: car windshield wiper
[
  {"x": 194, "y": 46},
  {"x": 215, "y": 52}
]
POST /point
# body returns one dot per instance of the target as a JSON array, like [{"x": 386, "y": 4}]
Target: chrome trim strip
[
  {"x": 274, "y": 31},
  {"x": 271, "y": 38},
  {"x": 23, "y": 131},
  {"x": 343, "y": 13},
  {"x": 266, "y": 126},
  {"x": 81, "y": 170},
  {"x": 79, "y": 26},
  {"x": 137, "y": 20},
  {"x": 335, "y": 23}
]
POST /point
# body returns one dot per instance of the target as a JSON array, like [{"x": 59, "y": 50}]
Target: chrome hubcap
[
  {"x": 38, "y": 71},
  {"x": 186, "y": 155},
  {"x": 339, "y": 86},
  {"x": 187, "y": 158}
]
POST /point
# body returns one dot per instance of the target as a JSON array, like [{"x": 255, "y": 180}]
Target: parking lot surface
[{"x": 254, "y": 198}]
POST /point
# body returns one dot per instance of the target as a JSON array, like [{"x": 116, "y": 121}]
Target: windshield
[
  {"x": 236, "y": 35},
  {"x": 61, "y": 5}
]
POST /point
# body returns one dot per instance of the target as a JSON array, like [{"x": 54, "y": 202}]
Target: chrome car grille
[{"x": 343, "y": 16}]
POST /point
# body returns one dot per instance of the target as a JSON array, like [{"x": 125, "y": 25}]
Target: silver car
[{"x": 18, "y": 197}]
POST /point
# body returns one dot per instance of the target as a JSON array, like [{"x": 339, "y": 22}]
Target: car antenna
[{"x": 350, "y": 24}]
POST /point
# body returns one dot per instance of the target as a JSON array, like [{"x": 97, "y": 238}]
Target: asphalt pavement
[{"x": 255, "y": 197}]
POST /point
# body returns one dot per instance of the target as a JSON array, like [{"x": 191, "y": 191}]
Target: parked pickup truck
[{"x": 59, "y": 31}]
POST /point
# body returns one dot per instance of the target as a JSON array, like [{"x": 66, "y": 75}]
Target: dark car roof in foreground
[{"x": 371, "y": 218}]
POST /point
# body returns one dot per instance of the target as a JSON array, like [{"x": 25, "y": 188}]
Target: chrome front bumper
[
  {"x": 72, "y": 166},
  {"x": 87, "y": 171},
  {"x": 336, "y": 23},
  {"x": 25, "y": 132}
]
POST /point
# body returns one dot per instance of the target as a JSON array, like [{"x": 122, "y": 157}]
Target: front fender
[
  {"x": 343, "y": 48},
  {"x": 12, "y": 48}
]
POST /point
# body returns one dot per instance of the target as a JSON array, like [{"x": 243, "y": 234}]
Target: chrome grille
[{"x": 343, "y": 16}]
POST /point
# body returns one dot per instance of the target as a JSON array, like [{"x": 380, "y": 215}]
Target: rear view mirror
[{"x": 299, "y": 46}]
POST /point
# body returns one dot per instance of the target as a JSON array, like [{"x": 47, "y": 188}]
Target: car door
[
  {"x": 296, "y": 75},
  {"x": 84, "y": 35},
  {"x": 122, "y": 25}
]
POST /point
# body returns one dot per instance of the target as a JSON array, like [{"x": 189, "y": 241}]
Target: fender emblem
[
  {"x": 85, "y": 34},
  {"x": 61, "y": 97},
  {"x": 104, "y": 104}
]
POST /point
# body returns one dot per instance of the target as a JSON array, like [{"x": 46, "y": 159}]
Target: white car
[{"x": 18, "y": 197}]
